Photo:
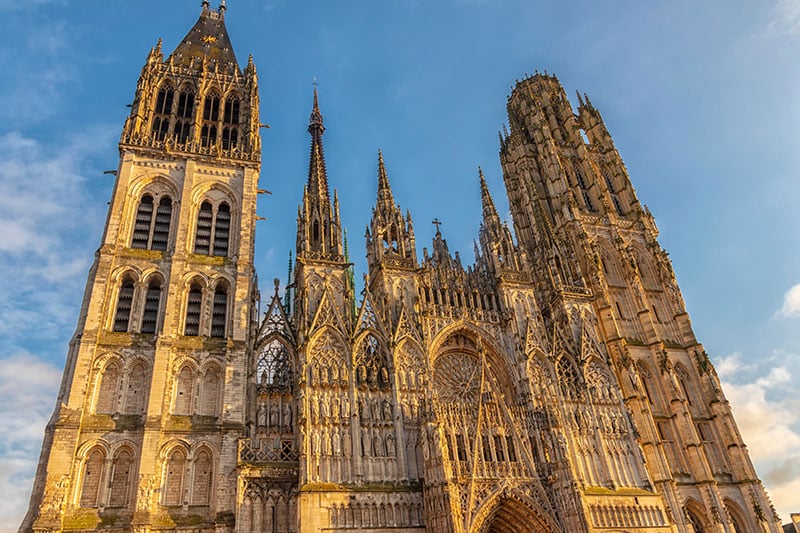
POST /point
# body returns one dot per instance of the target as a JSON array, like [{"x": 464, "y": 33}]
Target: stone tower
[
  {"x": 609, "y": 286},
  {"x": 553, "y": 385},
  {"x": 152, "y": 400}
]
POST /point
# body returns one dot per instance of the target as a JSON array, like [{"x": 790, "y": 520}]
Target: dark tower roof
[
  {"x": 317, "y": 174},
  {"x": 208, "y": 39}
]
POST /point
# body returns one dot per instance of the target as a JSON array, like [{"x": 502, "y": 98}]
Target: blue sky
[{"x": 702, "y": 99}]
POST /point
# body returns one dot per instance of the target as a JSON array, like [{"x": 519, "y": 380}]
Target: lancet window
[
  {"x": 273, "y": 368},
  {"x": 122, "y": 317},
  {"x": 219, "y": 312},
  {"x": 121, "y": 475},
  {"x": 212, "y": 236},
  {"x": 208, "y": 132},
  {"x": 92, "y": 477},
  {"x": 162, "y": 112},
  {"x": 174, "y": 478},
  {"x": 183, "y": 116},
  {"x": 151, "y": 227},
  {"x": 230, "y": 123},
  {"x": 194, "y": 306},
  {"x": 152, "y": 305}
]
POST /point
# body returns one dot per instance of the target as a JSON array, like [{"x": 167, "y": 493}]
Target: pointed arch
[
  {"x": 208, "y": 132},
  {"x": 688, "y": 386},
  {"x": 511, "y": 512},
  {"x": 737, "y": 516},
  {"x": 151, "y": 312},
  {"x": 568, "y": 378},
  {"x": 174, "y": 477},
  {"x": 203, "y": 475},
  {"x": 135, "y": 395},
  {"x": 219, "y": 310},
  {"x": 211, "y": 391},
  {"x": 370, "y": 361},
  {"x": 697, "y": 516},
  {"x": 119, "y": 486},
  {"x": 122, "y": 315},
  {"x": 274, "y": 363},
  {"x": 108, "y": 384},
  {"x": 92, "y": 475},
  {"x": 184, "y": 391},
  {"x": 194, "y": 309},
  {"x": 162, "y": 111}
]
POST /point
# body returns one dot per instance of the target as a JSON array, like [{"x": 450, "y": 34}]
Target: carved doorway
[{"x": 508, "y": 515}]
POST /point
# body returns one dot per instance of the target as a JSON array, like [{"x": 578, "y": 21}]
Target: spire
[
  {"x": 317, "y": 174},
  {"x": 489, "y": 210},
  {"x": 385, "y": 198},
  {"x": 208, "y": 40}
]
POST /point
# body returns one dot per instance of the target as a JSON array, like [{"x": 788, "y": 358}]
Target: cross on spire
[{"x": 436, "y": 222}]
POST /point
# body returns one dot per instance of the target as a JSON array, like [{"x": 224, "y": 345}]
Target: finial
[
  {"x": 223, "y": 6},
  {"x": 206, "y": 4},
  {"x": 436, "y": 222},
  {"x": 277, "y": 283},
  {"x": 580, "y": 98}
]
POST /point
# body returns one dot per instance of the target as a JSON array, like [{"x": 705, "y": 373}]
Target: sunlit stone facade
[{"x": 555, "y": 385}]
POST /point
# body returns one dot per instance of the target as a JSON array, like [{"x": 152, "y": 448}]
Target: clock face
[{"x": 208, "y": 39}]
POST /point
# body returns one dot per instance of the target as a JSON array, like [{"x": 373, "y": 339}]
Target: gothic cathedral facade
[{"x": 555, "y": 385}]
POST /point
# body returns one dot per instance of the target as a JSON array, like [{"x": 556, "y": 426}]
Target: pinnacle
[
  {"x": 489, "y": 209},
  {"x": 385, "y": 198}
]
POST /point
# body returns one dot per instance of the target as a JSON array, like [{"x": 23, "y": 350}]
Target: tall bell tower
[{"x": 152, "y": 401}]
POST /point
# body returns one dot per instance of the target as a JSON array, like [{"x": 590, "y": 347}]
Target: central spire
[
  {"x": 207, "y": 41},
  {"x": 317, "y": 174}
]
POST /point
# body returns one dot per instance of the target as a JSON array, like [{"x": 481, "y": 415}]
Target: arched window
[
  {"x": 149, "y": 232},
  {"x": 203, "y": 470},
  {"x": 208, "y": 133},
  {"x": 213, "y": 229},
  {"x": 194, "y": 304},
  {"x": 92, "y": 475},
  {"x": 222, "y": 228},
  {"x": 162, "y": 112},
  {"x": 205, "y": 222},
  {"x": 134, "y": 397},
  {"x": 107, "y": 396},
  {"x": 162, "y": 223},
  {"x": 273, "y": 368},
  {"x": 183, "y": 115},
  {"x": 141, "y": 226},
  {"x": 568, "y": 378},
  {"x": 122, "y": 317},
  {"x": 183, "y": 391},
  {"x": 173, "y": 480},
  {"x": 230, "y": 121},
  {"x": 119, "y": 487},
  {"x": 219, "y": 312},
  {"x": 152, "y": 304},
  {"x": 210, "y": 392}
]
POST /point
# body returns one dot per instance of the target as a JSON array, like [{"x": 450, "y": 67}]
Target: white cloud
[
  {"x": 791, "y": 302},
  {"x": 50, "y": 218},
  {"x": 786, "y": 16},
  {"x": 766, "y": 410},
  {"x": 28, "y": 388}
]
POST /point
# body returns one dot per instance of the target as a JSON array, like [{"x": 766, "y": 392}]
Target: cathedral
[{"x": 554, "y": 385}]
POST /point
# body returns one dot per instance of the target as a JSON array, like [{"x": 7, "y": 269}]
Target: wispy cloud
[
  {"x": 28, "y": 388},
  {"x": 786, "y": 16},
  {"x": 791, "y": 303},
  {"x": 50, "y": 218}
]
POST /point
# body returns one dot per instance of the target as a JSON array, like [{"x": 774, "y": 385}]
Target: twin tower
[{"x": 553, "y": 386}]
